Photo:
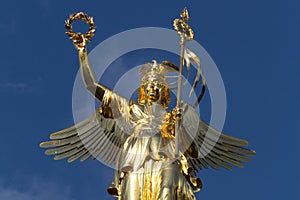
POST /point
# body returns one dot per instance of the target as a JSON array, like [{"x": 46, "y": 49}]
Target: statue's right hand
[{"x": 79, "y": 41}]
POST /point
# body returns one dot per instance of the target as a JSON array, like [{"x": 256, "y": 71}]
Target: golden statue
[{"x": 157, "y": 152}]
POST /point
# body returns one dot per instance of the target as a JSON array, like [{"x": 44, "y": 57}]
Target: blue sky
[{"x": 255, "y": 45}]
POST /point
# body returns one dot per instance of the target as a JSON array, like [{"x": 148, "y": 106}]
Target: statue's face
[{"x": 152, "y": 91}]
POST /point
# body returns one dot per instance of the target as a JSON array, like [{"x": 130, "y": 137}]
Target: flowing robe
[{"x": 146, "y": 168}]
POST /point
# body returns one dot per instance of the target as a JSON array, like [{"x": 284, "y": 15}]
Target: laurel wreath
[{"x": 80, "y": 16}]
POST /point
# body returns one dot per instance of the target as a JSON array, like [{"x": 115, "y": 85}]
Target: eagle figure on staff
[{"x": 156, "y": 152}]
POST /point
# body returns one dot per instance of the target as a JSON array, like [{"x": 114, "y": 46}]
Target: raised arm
[
  {"x": 79, "y": 41},
  {"x": 87, "y": 72}
]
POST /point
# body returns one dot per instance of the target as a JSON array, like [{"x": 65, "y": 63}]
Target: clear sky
[{"x": 255, "y": 45}]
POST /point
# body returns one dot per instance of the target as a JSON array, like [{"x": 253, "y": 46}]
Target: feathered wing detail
[
  {"x": 97, "y": 136},
  {"x": 103, "y": 137},
  {"x": 206, "y": 147}
]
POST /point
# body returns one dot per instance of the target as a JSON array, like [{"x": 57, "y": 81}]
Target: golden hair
[
  {"x": 141, "y": 95},
  {"x": 165, "y": 97}
]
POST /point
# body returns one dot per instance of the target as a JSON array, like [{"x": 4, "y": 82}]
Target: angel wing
[
  {"x": 206, "y": 147},
  {"x": 98, "y": 136},
  {"x": 101, "y": 136}
]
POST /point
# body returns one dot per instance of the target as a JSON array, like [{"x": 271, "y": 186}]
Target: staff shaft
[{"x": 179, "y": 91}]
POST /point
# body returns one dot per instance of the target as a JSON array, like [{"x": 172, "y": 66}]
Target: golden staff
[{"x": 186, "y": 34}]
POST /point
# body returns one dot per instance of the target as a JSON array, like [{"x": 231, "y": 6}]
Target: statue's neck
[{"x": 154, "y": 108}]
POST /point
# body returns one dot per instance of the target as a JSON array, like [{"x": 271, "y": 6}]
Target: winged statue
[{"x": 156, "y": 152}]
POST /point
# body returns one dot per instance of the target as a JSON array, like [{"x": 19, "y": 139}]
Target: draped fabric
[
  {"x": 147, "y": 159},
  {"x": 131, "y": 138}
]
